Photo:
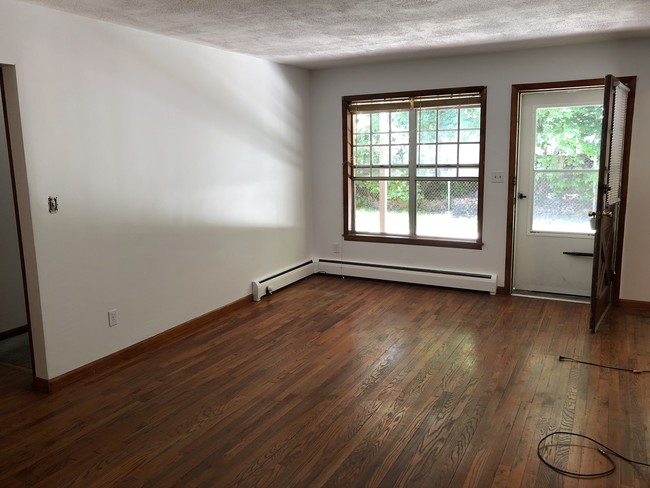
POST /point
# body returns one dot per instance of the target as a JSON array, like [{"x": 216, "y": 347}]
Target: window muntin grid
[
  {"x": 448, "y": 142},
  {"x": 381, "y": 142},
  {"x": 397, "y": 145}
]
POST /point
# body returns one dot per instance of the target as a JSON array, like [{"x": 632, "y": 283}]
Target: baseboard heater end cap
[{"x": 268, "y": 285}]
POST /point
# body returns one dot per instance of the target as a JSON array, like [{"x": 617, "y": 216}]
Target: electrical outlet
[
  {"x": 336, "y": 248},
  {"x": 112, "y": 317},
  {"x": 497, "y": 177}
]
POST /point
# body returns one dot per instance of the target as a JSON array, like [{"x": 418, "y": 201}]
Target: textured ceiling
[{"x": 313, "y": 33}]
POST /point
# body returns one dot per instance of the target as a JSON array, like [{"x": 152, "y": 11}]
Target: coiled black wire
[{"x": 605, "y": 451}]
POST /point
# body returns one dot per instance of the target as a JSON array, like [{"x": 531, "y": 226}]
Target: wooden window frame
[{"x": 347, "y": 137}]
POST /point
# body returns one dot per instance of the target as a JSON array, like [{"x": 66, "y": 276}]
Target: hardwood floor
[{"x": 343, "y": 382}]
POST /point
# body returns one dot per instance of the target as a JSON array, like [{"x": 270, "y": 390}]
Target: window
[
  {"x": 414, "y": 167},
  {"x": 565, "y": 165}
]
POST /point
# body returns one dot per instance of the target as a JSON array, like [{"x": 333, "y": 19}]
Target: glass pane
[
  {"x": 427, "y": 119},
  {"x": 400, "y": 120},
  {"x": 470, "y": 118},
  {"x": 397, "y": 208},
  {"x": 447, "y": 154},
  {"x": 568, "y": 137},
  {"x": 399, "y": 171},
  {"x": 380, "y": 155},
  {"x": 426, "y": 172},
  {"x": 448, "y": 136},
  {"x": 381, "y": 122},
  {"x": 447, "y": 209},
  {"x": 448, "y": 119},
  {"x": 561, "y": 201},
  {"x": 468, "y": 172},
  {"x": 361, "y": 123},
  {"x": 447, "y": 172},
  {"x": 468, "y": 153},
  {"x": 366, "y": 206},
  {"x": 362, "y": 172},
  {"x": 470, "y": 136},
  {"x": 381, "y": 207},
  {"x": 424, "y": 137},
  {"x": 381, "y": 138},
  {"x": 399, "y": 138},
  {"x": 399, "y": 155},
  {"x": 362, "y": 155},
  {"x": 426, "y": 154},
  {"x": 361, "y": 139}
]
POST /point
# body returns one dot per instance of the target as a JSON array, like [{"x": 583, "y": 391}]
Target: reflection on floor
[{"x": 15, "y": 351}]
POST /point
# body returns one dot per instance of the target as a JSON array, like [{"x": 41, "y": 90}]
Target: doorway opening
[
  {"x": 569, "y": 154},
  {"x": 16, "y": 350},
  {"x": 557, "y": 178}
]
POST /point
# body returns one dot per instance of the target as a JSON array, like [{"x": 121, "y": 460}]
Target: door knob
[
  {"x": 521, "y": 196},
  {"x": 604, "y": 213}
]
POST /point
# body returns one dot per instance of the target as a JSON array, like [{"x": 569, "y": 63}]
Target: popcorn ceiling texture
[{"x": 313, "y": 33}]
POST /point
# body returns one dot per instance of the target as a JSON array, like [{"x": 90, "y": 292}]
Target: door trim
[
  {"x": 11, "y": 115},
  {"x": 630, "y": 82},
  {"x": 512, "y": 170}
]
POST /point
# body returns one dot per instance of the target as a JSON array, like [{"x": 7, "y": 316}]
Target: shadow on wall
[{"x": 179, "y": 171}]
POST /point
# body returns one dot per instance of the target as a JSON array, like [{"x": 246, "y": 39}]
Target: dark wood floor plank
[{"x": 345, "y": 382}]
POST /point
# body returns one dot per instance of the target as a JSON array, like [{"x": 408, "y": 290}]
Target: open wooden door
[{"x": 617, "y": 112}]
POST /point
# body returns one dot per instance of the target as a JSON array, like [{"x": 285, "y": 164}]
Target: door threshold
[{"x": 551, "y": 296}]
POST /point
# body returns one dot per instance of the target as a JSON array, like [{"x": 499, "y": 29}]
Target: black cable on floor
[
  {"x": 629, "y": 370},
  {"x": 605, "y": 451}
]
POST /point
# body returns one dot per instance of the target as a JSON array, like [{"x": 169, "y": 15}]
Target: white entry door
[{"x": 557, "y": 177}]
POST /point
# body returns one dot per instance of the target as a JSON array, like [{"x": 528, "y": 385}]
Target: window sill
[{"x": 417, "y": 241}]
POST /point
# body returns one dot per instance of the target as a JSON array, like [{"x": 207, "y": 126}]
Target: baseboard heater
[
  {"x": 279, "y": 280},
  {"x": 422, "y": 276}
]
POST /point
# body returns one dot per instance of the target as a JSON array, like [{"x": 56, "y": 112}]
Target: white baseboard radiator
[
  {"x": 279, "y": 280},
  {"x": 422, "y": 276}
]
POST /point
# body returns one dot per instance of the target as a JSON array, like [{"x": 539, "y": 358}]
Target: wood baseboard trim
[
  {"x": 634, "y": 304},
  {"x": 131, "y": 354},
  {"x": 41, "y": 385},
  {"x": 502, "y": 290},
  {"x": 14, "y": 332}
]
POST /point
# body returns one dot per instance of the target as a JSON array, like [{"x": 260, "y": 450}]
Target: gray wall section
[{"x": 12, "y": 297}]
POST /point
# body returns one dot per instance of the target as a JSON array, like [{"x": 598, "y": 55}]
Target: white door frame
[{"x": 556, "y": 262}]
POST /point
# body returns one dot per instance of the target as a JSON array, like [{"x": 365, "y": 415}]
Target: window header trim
[
  {"x": 440, "y": 93},
  {"x": 407, "y": 103}
]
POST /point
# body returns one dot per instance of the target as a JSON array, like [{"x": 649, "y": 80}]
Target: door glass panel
[
  {"x": 565, "y": 169},
  {"x": 562, "y": 199}
]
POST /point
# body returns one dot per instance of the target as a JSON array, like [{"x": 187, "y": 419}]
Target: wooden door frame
[
  {"x": 512, "y": 168},
  {"x": 7, "y": 74}
]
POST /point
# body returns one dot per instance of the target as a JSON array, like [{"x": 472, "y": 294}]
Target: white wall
[
  {"x": 498, "y": 72},
  {"x": 184, "y": 172},
  {"x": 12, "y": 296},
  {"x": 181, "y": 173}
]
